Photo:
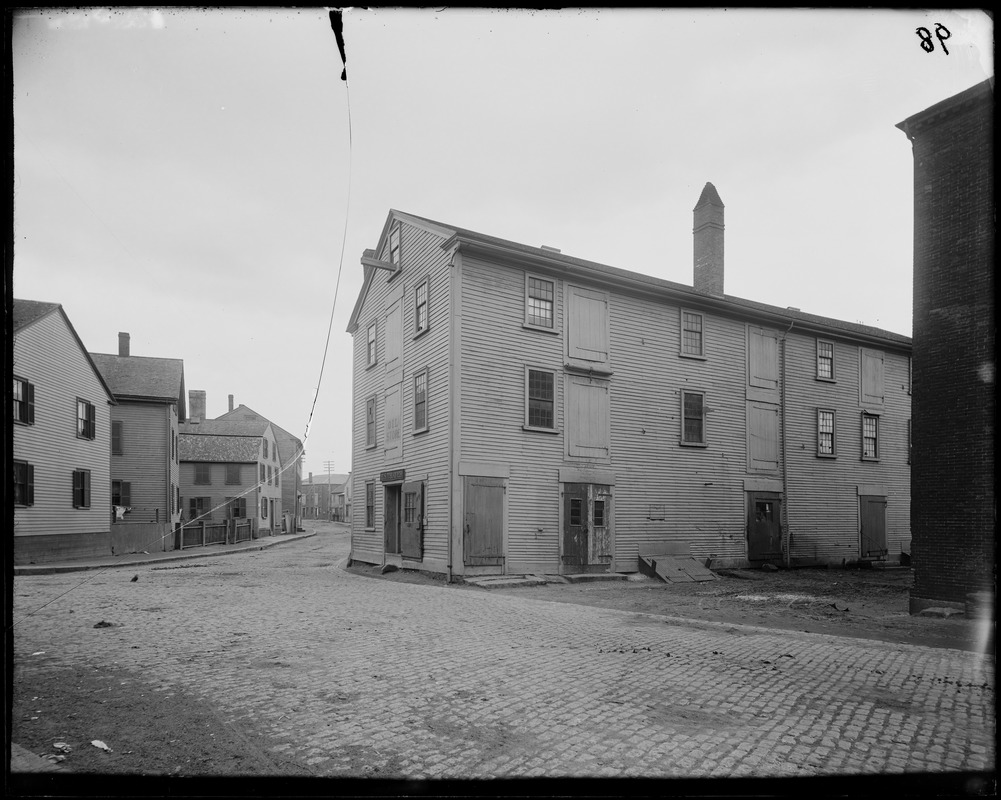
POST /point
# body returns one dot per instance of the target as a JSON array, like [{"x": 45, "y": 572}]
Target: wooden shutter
[
  {"x": 762, "y": 436},
  {"x": 394, "y": 334},
  {"x": 116, "y": 438},
  {"x": 29, "y": 401},
  {"x": 29, "y": 471},
  {"x": 763, "y": 358},
  {"x": 871, "y": 377},
  {"x": 587, "y": 327},
  {"x": 587, "y": 423},
  {"x": 126, "y": 494}
]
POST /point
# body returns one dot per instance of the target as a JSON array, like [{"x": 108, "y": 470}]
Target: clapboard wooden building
[
  {"x": 61, "y": 431},
  {"x": 518, "y": 410}
]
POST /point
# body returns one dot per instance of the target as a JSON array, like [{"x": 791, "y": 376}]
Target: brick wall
[{"x": 952, "y": 470}]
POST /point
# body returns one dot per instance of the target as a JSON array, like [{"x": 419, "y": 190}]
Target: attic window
[{"x": 394, "y": 246}]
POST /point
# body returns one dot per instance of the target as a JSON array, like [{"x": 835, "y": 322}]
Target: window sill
[
  {"x": 22, "y": 422},
  {"x": 533, "y": 429},
  {"x": 825, "y": 380},
  {"x": 420, "y": 333},
  {"x": 422, "y": 430},
  {"x": 369, "y": 530},
  {"x": 541, "y": 329},
  {"x": 371, "y": 447},
  {"x": 693, "y": 357},
  {"x": 373, "y": 365},
  {"x": 396, "y": 274},
  {"x": 694, "y": 444},
  {"x": 829, "y": 456},
  {"x": 870, "y": 459}
]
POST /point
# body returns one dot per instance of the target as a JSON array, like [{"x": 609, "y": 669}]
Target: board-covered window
[
  {"x": 693, "y": 418},
  {"x": 586, "y": 417},
  {"x": 871, "y": 377},
  {"x": 540, "y": 302},
  {"x": 232, "y": 474},
  {"x": 202, "y": 475},
  {"x": 24, "y": 401},
  {"x": 587, "y": 328},
  {"x": 826, "y": 433},
  {"x": 540, "y": 399}
]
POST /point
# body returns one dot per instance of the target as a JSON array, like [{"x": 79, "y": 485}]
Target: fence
[{"x": 203, "y": 533}]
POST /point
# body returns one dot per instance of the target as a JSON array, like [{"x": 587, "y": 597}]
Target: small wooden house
[
  {"x": 61, "y": 431},
  {"x": 145, "y": 483},
  {"x": 518, "y": 410}
]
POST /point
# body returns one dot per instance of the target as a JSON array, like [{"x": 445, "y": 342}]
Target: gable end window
[
  {"x": 692, "y": 334},
  {"x": 826, "y": 433},
  {"x": 202, "y": 475},
  {"x": 421, "y": 402},
  {"x": 540, "y": 399},
  {"x": 86, "y": 420},
  {"x": 421, "y": 307},
  {"x": 81, "y": 488},
  {"x": 370, "y": 351},
  {"x": 825, "y": 360},
  {"x": 870, "y": 437},
  {"x": 116, "y": 438},
  {"x": 265, "y": 447},
  {"x": 693, "y": 418},
  {"x": 540, "y": 302},
  {"x": 24, "y": 483},
  {"x": 394, "y": 247},
  {"x": 24, "y": 402}
]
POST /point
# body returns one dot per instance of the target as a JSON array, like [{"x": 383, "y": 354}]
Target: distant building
[
  {"x": 229, "y": 469},
  {"x": 290, "y": 454},
  {"x": 61, "y": 430},
  {"x": 326, "y": 496},
  {"x": 519, "y": 410},
  {"x": 952, "y": 469},
  {"x": 145, "y": 483}
]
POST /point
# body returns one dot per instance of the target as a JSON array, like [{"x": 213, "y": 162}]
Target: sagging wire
[{"x": 337, "y": 24}]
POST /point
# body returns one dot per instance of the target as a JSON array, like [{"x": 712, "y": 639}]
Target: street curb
[{"x": 54, "y": 569}]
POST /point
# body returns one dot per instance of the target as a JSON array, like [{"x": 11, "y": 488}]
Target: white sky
[{"x": 183, "y": 175}]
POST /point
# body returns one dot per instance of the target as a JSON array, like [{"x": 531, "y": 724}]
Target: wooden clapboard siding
[
  {"x": 146, "y": 461},
  {"x": 424, "y": 455},
  {"x": 48, "y": 354},
  {"x": 822, "y": 493},
  {"x": 217, "y": 490}
]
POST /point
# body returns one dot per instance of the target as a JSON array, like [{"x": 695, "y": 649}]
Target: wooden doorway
[
  {"x": 412, "y": 525},
  {"x": 587, "y": 531},
  {"x": 872, "y": 526},
  {"x": 764, "y": 526},
  {"x": 483, "y": 522},
  {"x": 391, "y": 517}
]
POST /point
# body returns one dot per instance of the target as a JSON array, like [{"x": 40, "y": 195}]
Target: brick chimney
[
  {"x": 231, "y": 402},
  {"x": 708, "y": 233},
  {"x": 196, "y": 405},
  {"x": 123, "y": 344}
]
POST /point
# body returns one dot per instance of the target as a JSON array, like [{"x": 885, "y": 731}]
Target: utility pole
[{"x": 330, "y": 491}]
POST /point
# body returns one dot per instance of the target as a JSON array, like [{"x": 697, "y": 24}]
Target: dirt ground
[{"x": 860, "y": 603}]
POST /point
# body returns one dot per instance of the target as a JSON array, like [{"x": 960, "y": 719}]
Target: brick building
[{"x": 952, "y": 469}]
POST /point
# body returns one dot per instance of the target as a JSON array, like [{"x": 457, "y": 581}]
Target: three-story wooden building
[{"x": 519, "y": 410}]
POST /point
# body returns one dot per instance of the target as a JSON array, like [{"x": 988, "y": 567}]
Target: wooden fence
[{"x": 203, "y": 533}]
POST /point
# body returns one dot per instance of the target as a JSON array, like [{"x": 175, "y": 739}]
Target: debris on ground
[
  {"x": 101, "y": 746},
  {"x": 103, "y": 624}
]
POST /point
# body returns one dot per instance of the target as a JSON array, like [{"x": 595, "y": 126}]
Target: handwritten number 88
[{"x": 941, "y": 32}]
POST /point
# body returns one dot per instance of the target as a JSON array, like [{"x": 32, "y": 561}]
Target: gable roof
[
  {"x": 25, "y": 313},
  {"x": 320, "y": 479},
  {"x": 246, "y": 413},
  {"x": 232, "y": 449},
  {"x": 143, "y": 378},
  {"x": 215, "y": 427},
  {"x": 622, "y": 279}
]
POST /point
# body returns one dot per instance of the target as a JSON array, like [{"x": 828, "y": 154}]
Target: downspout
[
  {"x": 452, "y": 403},
  {"x": 784, "y": 516}
]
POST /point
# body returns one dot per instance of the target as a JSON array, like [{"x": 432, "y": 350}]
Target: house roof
[
  {"x": 320, "y": 479},
  {"x": 225, "y": 427},
  {"x": 635, "y": 281},
  {"x": 231, "y": 449},
  {"x": 246, "y": 413},
  {"x": 143, "y": 378},
  {"x": 27, "y": 312},
  {"x": 978, "y": 93}
]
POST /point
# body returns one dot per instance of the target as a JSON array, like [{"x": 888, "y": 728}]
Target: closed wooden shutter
[
  {"x": 587, "y": 418},
  {"x": 587, "y": 327},
  {"x": 763, "y": 358},
  {"x": 871, "y": 378}
]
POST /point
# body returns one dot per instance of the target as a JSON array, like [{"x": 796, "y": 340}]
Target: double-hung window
[
  {"x": 540, "y": 399},
  {"x": 826, "y": 432},
  {"x": 24, "y": 484},
  {"x": 370, "y": 351},
  {"x": 370, "y": 504},
  {"x": 692, "y": 334},
  {"x": 693, "y": 418},
  {"x": 421, "y": 307},
  {"x": 870, "y": 437},
  {"x": 24, "y": 401},
  {"x": 200, "y": 508},
  {"x": 540, "y": 302},
  {"x": 825, "y": 360},
  {"x": 421, "y": 402},
  {"x": 86, "y": 420},
  {"x": 370, "y": 440},
  {"x": 81, "y": 488},
  {"x": 395, "y": 257}
]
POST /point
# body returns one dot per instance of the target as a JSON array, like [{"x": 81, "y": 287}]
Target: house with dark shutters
[
  {"x": 952, "y": 470},
  {"x": 61, "y": 432},
  {"x": 519, "y": 410},
  {"x": 229, "y": 469},
  {"x": 145, "y": 480},
  {"x": 326, "y": 496}
]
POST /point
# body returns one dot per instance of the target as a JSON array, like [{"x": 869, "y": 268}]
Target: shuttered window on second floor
[
  {"x": 121, "y": 493},
  {"x": 117, "y": 442},
  {"x": 24, "y": 483},
  {"x": 24, "y": 401},
  {"x": 86, "y": 420},
  {"x": 81, "y": 488}
]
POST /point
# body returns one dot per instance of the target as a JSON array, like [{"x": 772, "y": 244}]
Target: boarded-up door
[
  {"x": 872, "y": 526},
  {"x": 764, "y": 527},
  {"x": 412, "y": 527},
  {"x": 483, "y": 522},
  {"x": 600, "y": 545}
]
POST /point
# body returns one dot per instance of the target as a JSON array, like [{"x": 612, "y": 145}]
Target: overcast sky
[{"x": 183, "y": 175}]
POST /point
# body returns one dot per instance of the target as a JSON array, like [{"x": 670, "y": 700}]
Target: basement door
[
  {"x": 483, "y": 522},
  {"x": 587, "y": 540},
  {"x": 764, "y": 526},
  {"x": 872, "y": 526}
]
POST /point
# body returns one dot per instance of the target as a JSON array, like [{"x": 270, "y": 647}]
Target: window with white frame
[
  {"x": 370, "y": 351},
  {"x": 421, "y": 402},
  {"x": 370, "y": 422},
  {"x": 86, "y": 420},
  {"x": 24, "y": 401},
  {"x": 540, "y": 302},
  {"x": 825, "y": 360},
  {"x": 370, "y": 504},
  {"x": 693, "y": 418},
  {"x": 421, "y": 307},
  {"x": 870, "y": 437},
  {"x": 826, "y": 433},
  {"x": 540, "y": 399},
  {"x": 394, "y": 246},
  {"x": 692, "y": 333}
]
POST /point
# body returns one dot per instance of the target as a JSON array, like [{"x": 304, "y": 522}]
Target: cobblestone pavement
[{"x": 349, "y": 676}]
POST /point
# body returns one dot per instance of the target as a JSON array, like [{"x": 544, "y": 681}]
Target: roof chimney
[
  {"x": 231, "y": 402},
  {"x": 196, "y": 405},
  {"x": 708, "y": 233},
  {"x": 123, "y": 344}
]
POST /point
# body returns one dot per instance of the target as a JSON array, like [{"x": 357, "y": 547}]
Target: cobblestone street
[{"x": 349, "y": 676}]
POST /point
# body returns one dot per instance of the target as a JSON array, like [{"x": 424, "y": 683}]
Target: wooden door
[
  {"x": 391, "y": 518},
  {"x": 872, "y": 526},
  {"x": 483, "y": 522},
  {"x": 600, "y": 538},
  {"x": 764, "y": 526},
  {"x": 412, "y": 526},
  {"x": 576, "y": 523}
]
